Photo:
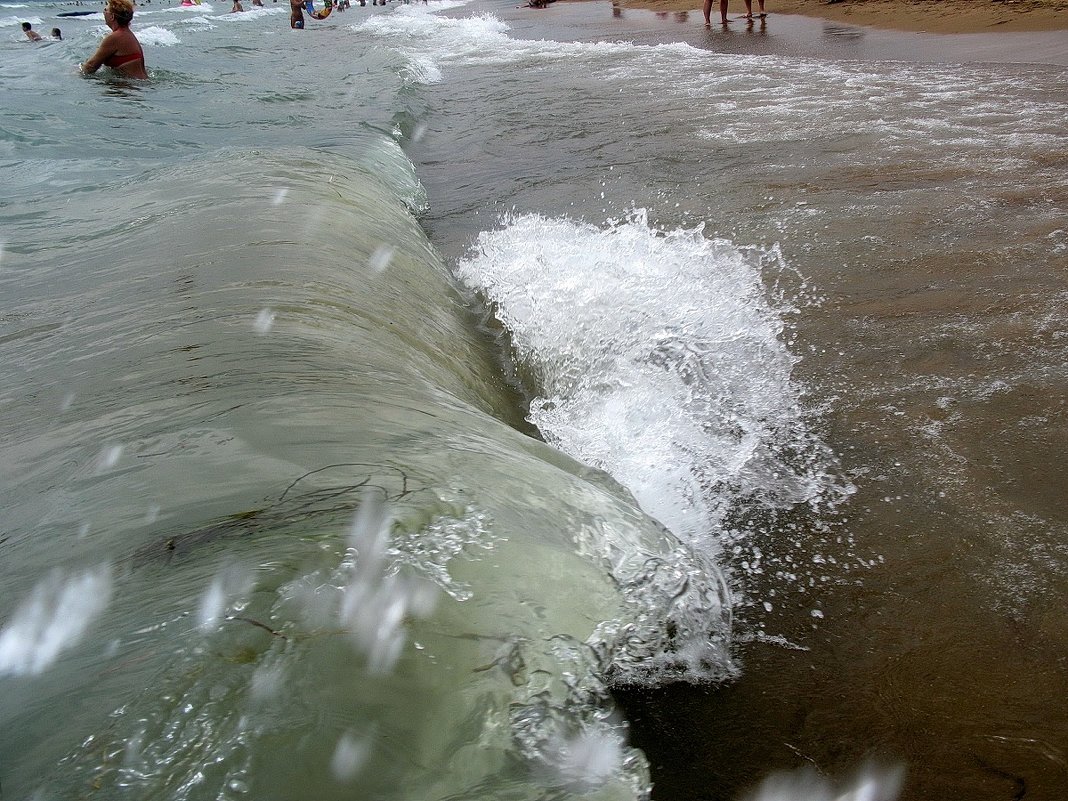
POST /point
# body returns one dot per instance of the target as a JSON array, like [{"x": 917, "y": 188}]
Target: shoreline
[{"x": 915, "y": 16}]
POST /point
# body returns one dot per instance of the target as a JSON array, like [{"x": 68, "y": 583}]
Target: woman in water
[{"x": 120, "y": 49}]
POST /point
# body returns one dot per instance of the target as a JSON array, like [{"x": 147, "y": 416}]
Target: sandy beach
[{"x": 930, "y": 16}]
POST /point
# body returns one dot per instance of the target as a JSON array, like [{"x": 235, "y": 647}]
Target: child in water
[
  {"x": 31, "y": 34},
  {"x": 296, "y": 14}
]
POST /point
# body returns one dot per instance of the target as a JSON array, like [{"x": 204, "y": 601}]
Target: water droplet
[
  {"x": 108, "y": 458},
  {"x": 349, "y": 757},
  {"x": 264, "y": 321},
  {"x": 52, "y": 619},
  {"x": 381, "y": 258}
]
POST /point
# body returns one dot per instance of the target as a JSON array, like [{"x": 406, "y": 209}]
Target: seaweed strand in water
[{"x": 290, "y": 507}]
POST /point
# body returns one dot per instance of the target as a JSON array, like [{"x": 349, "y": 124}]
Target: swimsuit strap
[{"x": 118, "y": 61}]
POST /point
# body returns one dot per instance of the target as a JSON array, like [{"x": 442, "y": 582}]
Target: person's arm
[{"x": 103, "y": 53}]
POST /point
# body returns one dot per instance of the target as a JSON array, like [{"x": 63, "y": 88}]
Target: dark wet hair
[{"x": 26, "y": 26}]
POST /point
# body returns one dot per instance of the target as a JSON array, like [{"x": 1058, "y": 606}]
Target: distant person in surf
[
  {"x": 57, "y": 33},
  {"x": 120, "y": 49},
  {"x": 237, "y": 7},
  {"x": 31, "y": 34},
  {"x": 296, "y": 14}
]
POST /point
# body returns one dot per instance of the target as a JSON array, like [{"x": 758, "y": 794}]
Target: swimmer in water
[
  {"x": 120, "y": 49},
  {"x": 296, "y": 15}
]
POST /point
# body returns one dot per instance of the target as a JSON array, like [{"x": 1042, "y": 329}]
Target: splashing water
[
  {"x": 657, "y": 357},
  {"x": 870, "y": 784},
  {"x": 375, "y": 602},
  {"x": 52, "y": 619}
]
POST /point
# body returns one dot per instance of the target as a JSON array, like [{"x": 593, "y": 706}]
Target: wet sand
[
  {"x": 918, "y": 668},
  {"x": 930, "y": 16},
  {"x": 957, "y": 31}
]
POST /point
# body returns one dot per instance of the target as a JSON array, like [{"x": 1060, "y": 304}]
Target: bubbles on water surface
[{"x": 52, "y": 619}]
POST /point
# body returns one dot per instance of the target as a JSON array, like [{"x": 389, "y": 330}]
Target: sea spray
[
  {"x": 54, "y": 617},
  {"x": 655, "y": 356}
]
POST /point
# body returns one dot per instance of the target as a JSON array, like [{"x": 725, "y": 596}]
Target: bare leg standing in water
[
  {"x": 749, "y": 9},
  {"x": 722, "y": 11}
]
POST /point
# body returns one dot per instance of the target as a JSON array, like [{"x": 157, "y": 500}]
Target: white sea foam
[
  {"x": 52, "y": 619},
  {"x": 16, "y": 22},
  {"x": 155, "y": 36},
  {"x": 656, "y": 357}
]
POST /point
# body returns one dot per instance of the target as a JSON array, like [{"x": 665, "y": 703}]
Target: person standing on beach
[
  {"x": 722, "y": 12},
  {"x": 296, "y": 14},
  {"x": 120, "y": 49},
  {"x": 749, "y": 9},
  {"x": 31, "y": 34}
]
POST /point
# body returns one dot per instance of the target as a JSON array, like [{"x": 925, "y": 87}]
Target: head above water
[
  {"x": 26, "y": 26},
  {"x": 121, "y": 10}
]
